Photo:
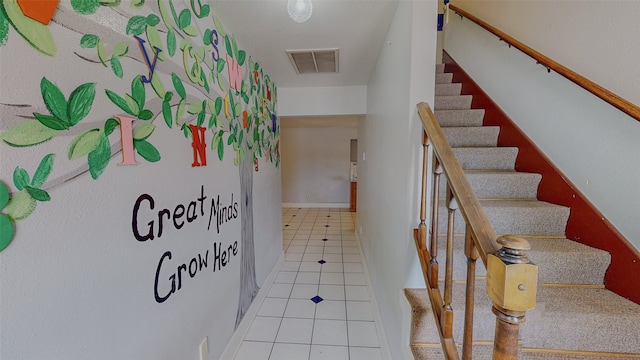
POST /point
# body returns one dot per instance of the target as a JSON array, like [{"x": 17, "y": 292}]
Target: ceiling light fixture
[{"x": 299, "y": 10}]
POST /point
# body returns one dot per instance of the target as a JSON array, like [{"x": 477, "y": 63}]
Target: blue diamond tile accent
[
  {"x": 316, "y": 299},
  {"x": 325, "y": 239},
  {"x": 326, "y": 226},
  {"x": 322, "y": 261}
]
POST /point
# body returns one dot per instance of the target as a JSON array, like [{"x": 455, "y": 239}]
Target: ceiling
[{"x": 356, "y": 27}]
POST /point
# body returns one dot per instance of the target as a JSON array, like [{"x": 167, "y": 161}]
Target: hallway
[{"x": 320, "y": 304}]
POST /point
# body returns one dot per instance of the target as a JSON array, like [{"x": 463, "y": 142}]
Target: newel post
[{"x": 512, "y": 281}]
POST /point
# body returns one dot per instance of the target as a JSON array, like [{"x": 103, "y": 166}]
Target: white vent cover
[{"x": 314, "y": 61}]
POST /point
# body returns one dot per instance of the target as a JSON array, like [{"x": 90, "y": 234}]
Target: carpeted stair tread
[
  {"x": 439, "y": 68},
  {"x": 580, "y": 264},
  {"x": 524, "y": 217},
  {"x": 471, "y": 117},
  {"x": 486, "y": 158},
  {"x": 501, "y": 184},
  {"x": 444, "y": 78},
  {"x": 580, "y": 319},
  {"x": 466, "y": 136},
  {"x": 448, "y": 89},
  {"x": 452, "y": 102}
]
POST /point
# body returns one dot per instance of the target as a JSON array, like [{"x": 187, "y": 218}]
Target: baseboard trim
[{"x": 316, "y": 205}]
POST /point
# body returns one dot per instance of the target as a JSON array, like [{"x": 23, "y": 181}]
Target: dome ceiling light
[{"x": 299, "y": 10}]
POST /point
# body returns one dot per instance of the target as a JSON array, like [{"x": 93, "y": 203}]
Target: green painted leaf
[
  {"x": 180, "y": 111},
  {"x": 120, "y": 49},
  {"x": 168, "y": 96},
  {"x": 237, "y": 109},
  {"x": 206, "y": 37},
  {"x": 37, "y": 194},
  {"x": 218, "y": 105},
  {"x": 110, "y": 125},
  {"x": 120, "y": 102},
  {"x": 99, "y": 158},
  {"x": 4, "y": 27},
  {"x": 113, "y": 2},
  {"x": 184, "y": 19},
  {"x": 143, "y": 131},
  {"x": 219, "y": 26},
  {"x": 4, "y": 195},
  {"x": 242, "y": 56},
  {"x": 220, "y": 150},
  {"x": 20, "y": 178},
  {"x": 54, "y": 99},
  {"x": 227, "y": 44},
  {"x": 85, "y": 7},
  {"x": 201, "y": 117},
  {"x": 27, "y": 133},
  {"x": 145, "y": 114},
  {"x": 136, "y": 3},
  {"x": 89, "y": 41},
  {"x": 194, "y": 107},
  {"x": 132, "y": 104},
  {"x": 43, "y": 171},
  {"x": 51, "y": 122},
  {"x": 171, "y": 42},
  {"x": 155, "y": 41},
  {"x": 213, "y": 121},
  {"x": 103, "y": 55},
  {"x": 203, "y": 77},
  {"x": 136, "y": 25},
  {"x": 35, "y": 33},
  {"x": 137, "y": 91},
  {"x": 177, "y": 84},
  {"x": 234, "y": 45},
  {"x": 167, "y": 114},
  {"x": 191, "y": 30},
  {"x": 153, "y": 20},
  {"x": 116, "y": 67},
  {"x": 7, "y": 230},
  {"x": 164, "y": 14},
  {"x": 84, "y": 143},
  {"x": 158, "y": 87},
  {"x": 220, "y": 65},
  {"x": 146, "y": 150},
  {"x": 80, "y": 102},
  {"x": 21, "y": 206}
]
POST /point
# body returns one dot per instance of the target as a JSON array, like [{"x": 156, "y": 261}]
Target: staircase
[{"x": 575, "y": 316}]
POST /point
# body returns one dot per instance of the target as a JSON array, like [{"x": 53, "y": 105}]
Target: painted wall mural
[{"x": 198, "y": 82}]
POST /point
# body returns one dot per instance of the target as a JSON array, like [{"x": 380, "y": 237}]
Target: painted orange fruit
[{"x": 40, "y": 10}]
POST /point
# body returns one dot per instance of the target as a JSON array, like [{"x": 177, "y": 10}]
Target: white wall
[
  {"x": 592, "y": 143},
  {"x": 323, "y": 101},
  {"x": 315, "y": 162},
  {"x": 390, "y": 137},
  {"x": 76, "y": 283}
]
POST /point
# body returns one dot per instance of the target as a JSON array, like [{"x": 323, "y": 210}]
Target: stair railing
[{"x": 511, "y": 278}]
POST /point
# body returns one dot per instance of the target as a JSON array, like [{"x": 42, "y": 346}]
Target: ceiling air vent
[{"x": 314, "y": 61}]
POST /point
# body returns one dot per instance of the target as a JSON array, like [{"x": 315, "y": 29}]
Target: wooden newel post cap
[{"x": 513, "y": 242}]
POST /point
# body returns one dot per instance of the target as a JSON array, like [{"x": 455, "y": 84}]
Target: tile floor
[{"x": 319, "y": 306}]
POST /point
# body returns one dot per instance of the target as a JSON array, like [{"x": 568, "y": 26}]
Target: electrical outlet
[
  {"x": 308, "y": 195},
  {"x": 204, "y": 348}
]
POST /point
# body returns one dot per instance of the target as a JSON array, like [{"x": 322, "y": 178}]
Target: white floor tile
[
  {"x": 314, "y": 249},
  {"x": 354, "y": 279},
  {"x": 312, "y": 257},
  {"x": 280, "y": 290},
  {"x": 263, "y": 329},
  {"x": 363, "y": 333},
  {"x": 290, "y": 351},
  {"x": 253, "y": 350},
  {"x": 333, "y": 250},
  {"x": 351, "y": 258},
  {"x": 312, "y": 266},
  {"x": 290, "y": 266},
  {"x": 359, "y": 310},
  {"x": 272, "y": 307},
  {"x": 293, "y": 257},
  {"x": 363, "y": 353},
  {"x": 300, "y": 308},
  {"x": 296, "y": 249},
  {"x": 332, "y": 292},
  {"x": 353, "y": 267},
  {"x": 332, "y": 278},
  {"x": 286, "y": 277},
  {"x": 308, "y": 278},
  {"x": 351, "y": 250},
  {"x": 357, "y": 293},
  {"x": 304, "y": 291},
  {"x": 330, "y": 332},
  {"x": 328, "y": 352},
  {"x": 333, "y": 258},
  {"x": 331, "y": 310},
  {"x": 297, "y": 331},
  {"x": 332, "y": 267}
]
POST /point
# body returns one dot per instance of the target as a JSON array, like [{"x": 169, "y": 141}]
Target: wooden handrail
[
  {"x": 468, "y": 203},
  {"x": 597, "y": 90},
  {"x": 512, "y": 291}
]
